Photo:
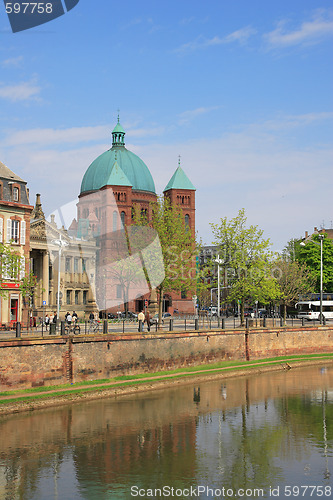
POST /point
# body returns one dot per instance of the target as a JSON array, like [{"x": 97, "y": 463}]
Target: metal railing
[{"x": 172, "y": 325}]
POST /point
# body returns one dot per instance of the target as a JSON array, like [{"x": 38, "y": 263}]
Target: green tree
[
  {"x": 294, "y": 279},
  {"x": 12, "y": 267},
  {"x": 12, "y": 264},
  {"x": 28, "y": 288},
  {"x": 178, "y": 248},
  {"x": 247, "y": 261},
  {"x": 292, "y": 249},
  {"x": 121, "y": 267},
  {"x": 310, "y": 255}
]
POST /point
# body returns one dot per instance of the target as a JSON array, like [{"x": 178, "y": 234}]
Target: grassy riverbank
[{"x": 40, "y": 397}]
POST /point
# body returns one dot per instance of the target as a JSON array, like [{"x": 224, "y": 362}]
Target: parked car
[
  {"x": 130, "y": 315},
  {"x": 212, "y": 311},
  {"x": 154, "y": 319},
  {"x": 262, "y": 313}
]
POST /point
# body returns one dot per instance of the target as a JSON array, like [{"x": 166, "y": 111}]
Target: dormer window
[{"x": 16, "y": 194}]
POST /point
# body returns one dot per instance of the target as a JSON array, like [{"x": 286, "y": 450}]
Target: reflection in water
[{"x": 256, "y": 432}]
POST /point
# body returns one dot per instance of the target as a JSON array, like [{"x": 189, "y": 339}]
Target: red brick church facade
[{"x": 115, "y": 183}]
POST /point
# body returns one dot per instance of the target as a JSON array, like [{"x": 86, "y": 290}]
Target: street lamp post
[
  {"x": 60, "y": 244},
  {"x": 219, "y": 262},
  {"x": 321, "y": 237}
]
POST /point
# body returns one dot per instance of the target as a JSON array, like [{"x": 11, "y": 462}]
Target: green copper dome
[{"x": 136, "y": 172}]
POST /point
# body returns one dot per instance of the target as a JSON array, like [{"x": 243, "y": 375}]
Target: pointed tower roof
[
  {"x": 118, "y": 177},
  {"x": 179, "y": 180},
  {"x": 37, "y": 212}
]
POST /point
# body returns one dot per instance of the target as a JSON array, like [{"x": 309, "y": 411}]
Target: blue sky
[{"x": 241, "y": 90}]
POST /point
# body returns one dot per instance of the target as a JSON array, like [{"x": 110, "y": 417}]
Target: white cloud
[
  {"x": 20, "y": 92},
  {"x": 188, "y": 116},
  {"x": 241, "y": 36},
  {"x": 293, "y": 121},
  {"x": 12, "y": 62},
  {"x": 309, "y": 32},
  {"x": 186, "y": 21},
  {"x": 283, "y": 186},
  {"x": 46, "y": 137},
  {"x": 145, "y": 132}
]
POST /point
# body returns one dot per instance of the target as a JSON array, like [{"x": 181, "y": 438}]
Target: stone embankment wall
[{"x": 37, "y": 362}]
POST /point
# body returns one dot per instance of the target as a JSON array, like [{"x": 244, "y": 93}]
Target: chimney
[
  {"x": 316, "y": 230},
  {"x": 306, "y": 234}
]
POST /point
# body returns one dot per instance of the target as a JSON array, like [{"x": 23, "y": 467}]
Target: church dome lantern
[{"x": 134, "y": 169}]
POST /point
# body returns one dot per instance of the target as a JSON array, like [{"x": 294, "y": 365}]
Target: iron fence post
[{"x": 18, "y": 329}]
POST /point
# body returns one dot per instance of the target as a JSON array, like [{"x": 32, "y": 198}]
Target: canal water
[{"x": 263, "y": 436}]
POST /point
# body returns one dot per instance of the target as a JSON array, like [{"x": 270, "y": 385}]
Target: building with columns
[{"x": 75, "y": 278}]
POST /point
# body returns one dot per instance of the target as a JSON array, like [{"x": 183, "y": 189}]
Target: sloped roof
[
  {"x": 118, "y": 177},
  {"x": 179, "y": 180},
  {"x": 6, "y": 173}
]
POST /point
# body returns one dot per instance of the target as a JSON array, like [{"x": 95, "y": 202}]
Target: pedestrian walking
[
  {"x": 47, "y": 321},
  {"x": 141, "y": 319},
  {"x": 147, "y": 319}
]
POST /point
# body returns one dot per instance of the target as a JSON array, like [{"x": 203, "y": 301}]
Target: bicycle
[
  {"x": 72, "y": 328},
  {"x": 94, "y": 326}
]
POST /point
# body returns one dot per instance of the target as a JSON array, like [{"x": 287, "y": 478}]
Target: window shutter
[
  {"x": 22, "y": 232},
  {"x": 5, "y": 271},
  {"x": 1, "y": 229},
  {"x": 9, "y": 230},
  {"x": 22, "y": 268}
]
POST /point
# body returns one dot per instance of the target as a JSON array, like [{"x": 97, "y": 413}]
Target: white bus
[{"x": 310, "y": 309}]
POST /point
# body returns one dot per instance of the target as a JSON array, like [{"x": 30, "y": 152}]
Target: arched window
[
  {"x": 122, "y": 218},
  {"x": 115, "y": 221}
]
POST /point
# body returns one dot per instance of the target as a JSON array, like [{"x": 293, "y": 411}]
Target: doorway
[{"x": 13, "y": 309}]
